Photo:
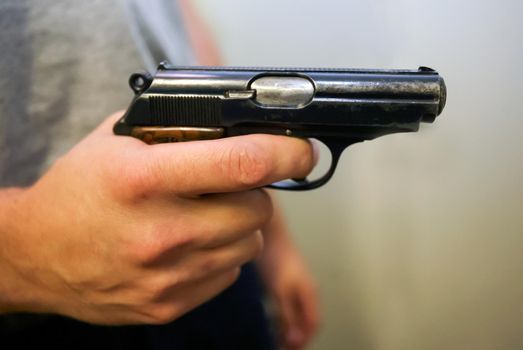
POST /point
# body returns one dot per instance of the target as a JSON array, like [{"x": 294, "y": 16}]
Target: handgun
[{"x": 339, "y": 107}]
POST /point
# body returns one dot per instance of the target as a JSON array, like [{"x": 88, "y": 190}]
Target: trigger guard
[
  {"x": 304, "y": 185},
  {"x": 336, "y": 147}
]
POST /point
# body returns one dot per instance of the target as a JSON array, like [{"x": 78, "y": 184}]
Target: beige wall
[{"x": 418, "y": 241}]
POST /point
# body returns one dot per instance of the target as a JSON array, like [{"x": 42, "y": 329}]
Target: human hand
[
  {"x": 290, "y": 283},
  {"x": 119, "y": 232}
]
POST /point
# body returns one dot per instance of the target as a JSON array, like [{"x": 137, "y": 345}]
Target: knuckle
[
  {"x": 146, "y": 251},
  {"x": 135, "y": 179},
  {"x": 158, "y": 289},
  {"x": 211, "y": 265},
  {"x": 140, "y": 182},
  {"x": 247, "y": 164},
  {"x": 156, "y": 242}
]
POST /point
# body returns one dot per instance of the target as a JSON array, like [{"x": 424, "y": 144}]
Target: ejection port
[{"x": 283, "y": 91}]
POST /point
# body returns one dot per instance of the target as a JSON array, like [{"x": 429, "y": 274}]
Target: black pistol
[{"x": 336, "y": 106}]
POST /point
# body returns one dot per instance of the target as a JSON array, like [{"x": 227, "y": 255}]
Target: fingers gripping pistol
[{"x": 336, "y": 106}]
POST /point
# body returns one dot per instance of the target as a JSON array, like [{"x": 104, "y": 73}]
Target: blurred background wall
[{"x": 417, "y": 242}]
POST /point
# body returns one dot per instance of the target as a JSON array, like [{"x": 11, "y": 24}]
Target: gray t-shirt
[{"x": 64, "y": 67}]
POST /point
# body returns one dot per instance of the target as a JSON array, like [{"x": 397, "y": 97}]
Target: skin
[{"x": 120, "y": 232}]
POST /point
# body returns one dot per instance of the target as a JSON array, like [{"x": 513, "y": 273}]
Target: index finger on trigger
[{"x": 229, "y": 164}]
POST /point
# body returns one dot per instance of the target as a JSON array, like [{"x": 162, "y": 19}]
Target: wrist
[{"x": 16, "y": 293}]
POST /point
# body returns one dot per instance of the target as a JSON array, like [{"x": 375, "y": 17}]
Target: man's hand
[
  {"x": 290, "y": 283},
  {"x": 119, "y": 232}
]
